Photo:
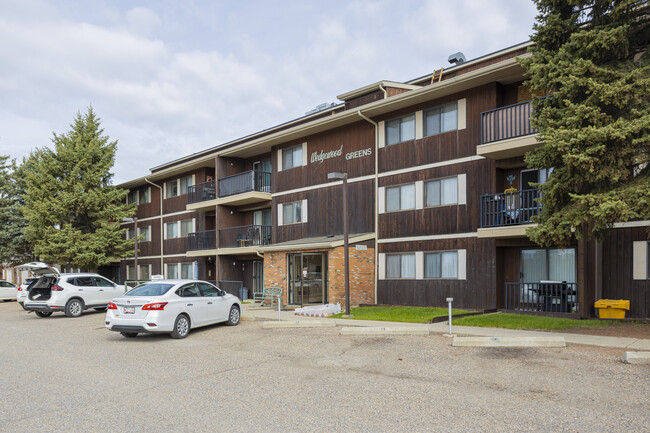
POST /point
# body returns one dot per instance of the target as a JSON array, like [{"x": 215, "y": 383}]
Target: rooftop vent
[
  {"x": 457, "y": 58},
  {"x": 321, "y": 107}
]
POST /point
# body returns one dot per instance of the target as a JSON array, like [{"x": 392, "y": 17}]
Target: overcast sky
[{"x": 172, "y": 77}]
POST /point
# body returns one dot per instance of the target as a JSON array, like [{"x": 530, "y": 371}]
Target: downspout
[
  {"x": 385, "y": 97},
  {"x": 376, "y": 192},
  {"x": 162, "y": 239}
]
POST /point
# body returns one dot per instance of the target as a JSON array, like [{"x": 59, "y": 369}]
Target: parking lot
[{"x": 67, "y": 374}]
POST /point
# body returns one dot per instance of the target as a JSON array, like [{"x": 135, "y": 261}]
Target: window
[
  {"x": 145, "y": 273},
  {"x": 400, "y": 197},
  {"x": 132, "y": 197},
  {"x": 185, "y": 182},
  {"x": 548, "y": 264},
  {"x": 130, "y": 273},
  {"x": 187, "y": 226},
  {"x": 209, "y": 290},
  {"x": 172, "y": 230},
  {"x": 400, "y": 265},
  {"x": 187, "y": 271},
  {"x": 83, "y": 281},
  {"x": 441, "y": 119},
  {"x": 441, "y": 192},
  {"x": 292, "y": 213},
  {"x": 441, "y": 264},
  {"x": 144, "y": 234},
  {"x": 172, "y": 271},
  {"x": 145, "y": 196},
  {"x": 130, "y": 233},
  {"x": 399, "y": 130},
  {"x": 292, "y": 157},
  {"x": 171, "y": 188},
  {"x": 102, "y": 282},
  {"x": 188, "y": 291}
]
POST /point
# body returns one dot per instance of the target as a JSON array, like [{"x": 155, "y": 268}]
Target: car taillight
[
  {"x": 56, "y": 288},
  {"x": 111, "y": 306},
  {"x": 20, "y": 289},
  {"x": 155, "y": 306}
]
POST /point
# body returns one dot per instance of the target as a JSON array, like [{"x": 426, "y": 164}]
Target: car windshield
[{"x": 150, "y": 289}]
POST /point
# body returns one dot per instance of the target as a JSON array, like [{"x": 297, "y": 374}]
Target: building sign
[
  {"x": 362, "y": 247},
  {"x": 322, "y": 155}
]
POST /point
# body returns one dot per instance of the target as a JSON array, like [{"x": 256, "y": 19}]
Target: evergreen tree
[
  {"x": 72, "y": 209},
  {"x": 592, "y": 57},
  {"x": 14, "y": 248}
]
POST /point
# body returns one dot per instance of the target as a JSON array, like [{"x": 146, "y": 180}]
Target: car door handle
[
  {"x": 209, "y": 303},
  {"x": 189, "y": 305},
  {"x": 81, "y": 290},
  {"x": 101, "y": 290}
]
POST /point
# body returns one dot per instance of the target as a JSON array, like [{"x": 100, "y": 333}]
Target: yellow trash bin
[{"x": 612, "y": 308}]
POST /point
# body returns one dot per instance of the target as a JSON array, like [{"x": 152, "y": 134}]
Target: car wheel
[
  {"x": 233, "y": 316},
  {"x": 100, "y": 309},
  {"x": 129, "y": 334},
  {"x": 74, "y": 307},
  {"x": 43, "y": 313},
  {"x": 181, "y": 327}
]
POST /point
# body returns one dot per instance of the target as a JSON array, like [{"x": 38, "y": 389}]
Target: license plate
[{"x": 129, "y": 310}]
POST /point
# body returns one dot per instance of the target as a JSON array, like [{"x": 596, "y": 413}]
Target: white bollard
[{"x": 450, "y": 300}]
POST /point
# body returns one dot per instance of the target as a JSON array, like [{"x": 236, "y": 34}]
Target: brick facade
[{"x": 362, "y": 274}]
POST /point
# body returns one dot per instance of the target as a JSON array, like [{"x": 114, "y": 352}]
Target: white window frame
[
  {"x": 293, "y": 150},
  {"x": 386, "y": 202},
  {"x": 282, "y": 211},
  {"x": 440, "y": 182},
  {"x": 440, "y": 110},
  {"x": 640, "y": 260},
  {"x": 401, "y": 276},
  {"x": 441, "y": 277},
  {"x": 400, "y": 121},
  {"x": 179, "y": 192},
  {"x": 147, "y": 231},
  {"x": 178, "y": 228}
]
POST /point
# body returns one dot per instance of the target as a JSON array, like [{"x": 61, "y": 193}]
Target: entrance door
[
  {"x": 258, "y": 276},
  {"x": 307, "y": 278}
]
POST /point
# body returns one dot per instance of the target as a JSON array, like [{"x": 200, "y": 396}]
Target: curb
[
  {"x": 636, "y": 358},
  {"x": 386, "y": 330},
  {"x": 299, "y": 324},
  {"x": 508, "y": 342}
]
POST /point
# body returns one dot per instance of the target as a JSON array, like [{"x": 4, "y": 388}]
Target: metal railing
[
  {"x": 509, "y": 208},
  {"x": 206, "y": 240},
  {"x": 231, "y": 287},
  {"x": 244, "y": 236},
  {"x": 244, "y": 182},
  {"x": 201, "y": 192},
  {"x": 506, "y": 122},
  {"x": 543, "y": 296}
]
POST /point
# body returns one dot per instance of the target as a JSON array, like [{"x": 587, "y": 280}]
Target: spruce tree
[
  {"x": 14, "y": 248},
  {"x": 592, "y": 57},
  {"x": 72, "y": 208}
]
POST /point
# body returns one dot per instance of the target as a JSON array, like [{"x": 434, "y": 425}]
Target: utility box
[{"x": 612, "y": 308}]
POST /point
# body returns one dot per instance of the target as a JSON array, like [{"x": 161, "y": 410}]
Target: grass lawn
[
  {"x": 398, "y": 314},
  {"x": 520, "y": 321}
]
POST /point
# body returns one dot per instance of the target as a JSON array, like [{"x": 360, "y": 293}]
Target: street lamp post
[
  {"x": 135, "y": 245},
  {"x": 346, "y": 253}
]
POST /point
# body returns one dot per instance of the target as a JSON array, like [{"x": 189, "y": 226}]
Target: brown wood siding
[
  {"x": 324, "y": 210},
  {"x": 441, "y": 147},
  {"x": 364, "y": 99},
  {"x": 441, "y": 219},
  {"x": 618, "y": 282},
  {"x": 478, "y": 291},
  {"x": 354, "y": 137}
]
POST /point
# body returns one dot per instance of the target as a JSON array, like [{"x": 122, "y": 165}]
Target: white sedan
[
  {"x": 8, "y": 291},
  {"x": 171, "y": 306}
]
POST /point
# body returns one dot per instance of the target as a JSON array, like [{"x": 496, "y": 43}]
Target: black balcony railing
[
  {"x": 201, "y": 192},
  {"x": 509, "y": 208},
  {"x": 544, "y": 296},
  {"x": 231, "y": 287},
  {"x": 244, "y": 182},
  {"x": 506, "y": 122},
  {"x": 202, "y": 240},
  {"x": 244, "y": 236}
]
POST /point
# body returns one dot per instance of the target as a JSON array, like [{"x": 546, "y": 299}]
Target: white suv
[{"x": 68, "y": 293}]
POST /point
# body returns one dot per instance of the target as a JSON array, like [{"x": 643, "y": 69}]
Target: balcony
[
  {"x": 508, "y": 214},
  {"x": 244, "y": 236},
  {"x": 542, "y": 297},
  {"x": 202, "y": 240},
  {"x": 201, "y": 192},
  {"x": 506, "y": 132},
  {"x": 240, "y": 189}
]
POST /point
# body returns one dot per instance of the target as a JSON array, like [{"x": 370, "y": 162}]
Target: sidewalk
[{"x": 257, "y": 313}]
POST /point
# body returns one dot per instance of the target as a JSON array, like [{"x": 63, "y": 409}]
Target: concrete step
[
  {"x": 636, "y": 357},
  {"x": 386, "y": 330},
  {"x": 299, "y": 324},
  {"x": 508, "y": 342}
]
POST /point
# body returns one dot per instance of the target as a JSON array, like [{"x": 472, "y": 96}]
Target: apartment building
[{"x": 439, "y": 199}]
